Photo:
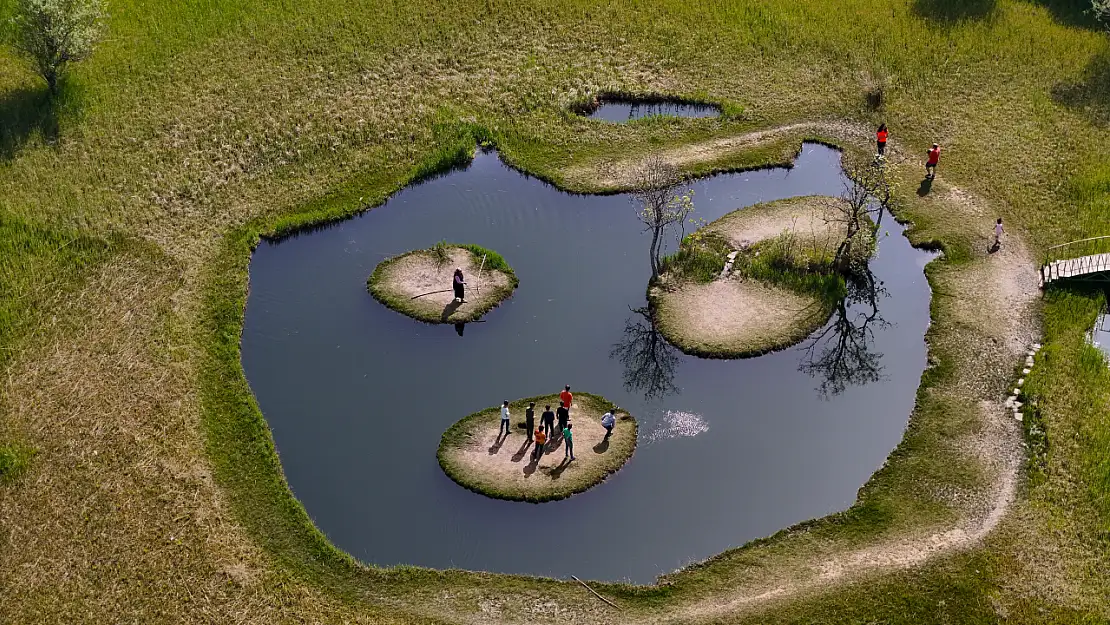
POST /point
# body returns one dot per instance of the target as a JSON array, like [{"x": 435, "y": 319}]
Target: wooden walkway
[
  {"x": 1086, "y": 259},
  {"x": 1084, "y": 266}
]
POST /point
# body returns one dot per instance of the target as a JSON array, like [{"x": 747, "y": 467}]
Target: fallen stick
[
  {"x": 595, "y": 592},
  {"x": 478, "y": 282},
  {"x": 431, "y": 293}
]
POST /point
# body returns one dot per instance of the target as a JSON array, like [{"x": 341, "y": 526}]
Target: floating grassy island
[
  {"x": 474, "y": 455},
  {"x": 779, "y": 288},
  {"x": 419, "y": 283}
]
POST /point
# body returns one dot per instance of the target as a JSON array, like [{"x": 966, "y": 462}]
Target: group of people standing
[{"x": 552, "y": 424}]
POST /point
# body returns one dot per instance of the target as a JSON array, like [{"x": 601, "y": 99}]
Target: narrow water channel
[{"x": 357, "y": 395}]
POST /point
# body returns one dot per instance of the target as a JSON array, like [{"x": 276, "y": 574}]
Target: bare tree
[
  {"x": 867, "y": 193},
  {"x": 659, "y": 201},
  {"x": 649, "y": 360},
  {"x": 54, "y": 33}
]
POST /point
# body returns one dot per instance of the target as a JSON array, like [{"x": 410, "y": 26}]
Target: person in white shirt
[
  {"x": 998, "y": 232},
  {"x": 504, "y": 418},
  {"x": 607, "y": 422}
]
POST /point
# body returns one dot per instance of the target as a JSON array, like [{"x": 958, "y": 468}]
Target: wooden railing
[{"x": 1076, "y": 259}]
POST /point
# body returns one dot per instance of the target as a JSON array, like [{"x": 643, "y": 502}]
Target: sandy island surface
[
  {"x": 504, "y": 467},
  {"x": 417, "y": 284}
]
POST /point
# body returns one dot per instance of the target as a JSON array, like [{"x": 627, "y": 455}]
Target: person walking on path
[
  {"x": 548, "y": 419},
  {"x": 530, "y": 419},
  {"x": 880, "y": 139},
  {"x": 564, "y": 416},
  {"x": 998, "y": 232},
  {"x": 568, "y": 443},
  {"x": 607, "y": 422},
  {"x": 458, "y": 285},
  {"x": 504, "y": 419},
  {"x": 932, "y": 161},
  {"x": 541, "y": 440},
  {"x": 566, "y": 397}
]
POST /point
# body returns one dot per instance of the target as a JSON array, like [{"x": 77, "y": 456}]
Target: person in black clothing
[
  {"x": 458, "y": 284},
  {"x": 548, "y": 422},
  {"x": 564, "y": 416},
  {"x": 530, "y": 419}
]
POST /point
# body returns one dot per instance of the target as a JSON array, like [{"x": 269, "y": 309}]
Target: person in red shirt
[
  {"x": 880, "y": 139},
  {"x": 931, "y": 163},
  {"x": 566, "y": 397}
]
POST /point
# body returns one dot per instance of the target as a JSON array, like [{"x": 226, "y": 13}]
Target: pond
[
  {"x": 615, "y": 110},
  {"x": 357, "y": 395}
]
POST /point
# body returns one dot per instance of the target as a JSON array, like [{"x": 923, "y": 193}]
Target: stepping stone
[
  {"x": 1017, "y": 415},
  {"x": 1037, "y": 346},
  {"x": 1031, "y": 353},
  {"x": 1029, "y": 362},
  {"x": 1025, "y": 371},
  {"x": 1021, "y": 381},
  {"x": 1017, "y": 405},
  {"x": 1009, "y": 403},
  {"x": 1016, "y": 391}
]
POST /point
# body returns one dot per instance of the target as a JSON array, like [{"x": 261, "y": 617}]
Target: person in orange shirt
[
  {"x": 931, "y": 163},
  {"x": 566, "y": 397},
  {"x": 880, "y": 139},
  {"x": 541, "y": 440}
]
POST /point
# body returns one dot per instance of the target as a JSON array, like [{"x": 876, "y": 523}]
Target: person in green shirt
[{"x": 568, "y": 441}]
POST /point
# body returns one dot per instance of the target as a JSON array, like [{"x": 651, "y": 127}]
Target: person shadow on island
[{"x": 449, "y": 310}]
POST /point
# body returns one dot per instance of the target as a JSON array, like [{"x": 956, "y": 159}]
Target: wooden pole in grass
[{"x": 478, "y": 282}]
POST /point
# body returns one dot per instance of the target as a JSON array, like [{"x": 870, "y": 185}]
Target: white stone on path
[
  {"x": 1025, "y": 371},
  {"x": 1017, "y": 415},
  {"x": 1021, "y": 381}
]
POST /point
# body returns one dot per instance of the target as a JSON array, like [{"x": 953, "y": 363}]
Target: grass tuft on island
[
  {"x": 782, "y": 285},
  {"x": 419, "y": 283},
  {"x": 474, "y": 454}
]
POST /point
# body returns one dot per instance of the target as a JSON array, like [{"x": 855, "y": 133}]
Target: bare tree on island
[
  {"x": 54, "y": 33},
  {"x": 866, "y": 193},
  {"x": 660, "y": 203}
]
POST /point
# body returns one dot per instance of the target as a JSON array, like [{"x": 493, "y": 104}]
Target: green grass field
[{"x": 146, "y": 487}]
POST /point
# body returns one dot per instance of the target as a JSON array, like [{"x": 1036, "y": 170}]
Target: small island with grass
[
  {"x": 478, "y": 456},
  {"x": 760, "y": 278},
  {"x": 419, "y": 283}
]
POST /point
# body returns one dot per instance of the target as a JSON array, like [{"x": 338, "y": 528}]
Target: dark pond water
[
  {"x": 357, "y": 396},
  {"x": 626, "y": 111}
]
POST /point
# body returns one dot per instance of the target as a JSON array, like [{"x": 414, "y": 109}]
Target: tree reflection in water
[
  {"x": 842, "y": 354},
  {"x": 649, "y": 360}
]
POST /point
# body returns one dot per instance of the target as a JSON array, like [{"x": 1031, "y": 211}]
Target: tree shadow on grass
[
  {"x": 953, "y": 11},
  {"x": 1091, "y": 94},
  {"x": 25, "y": 113},
  {"x": 1070, "y": 12}
]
